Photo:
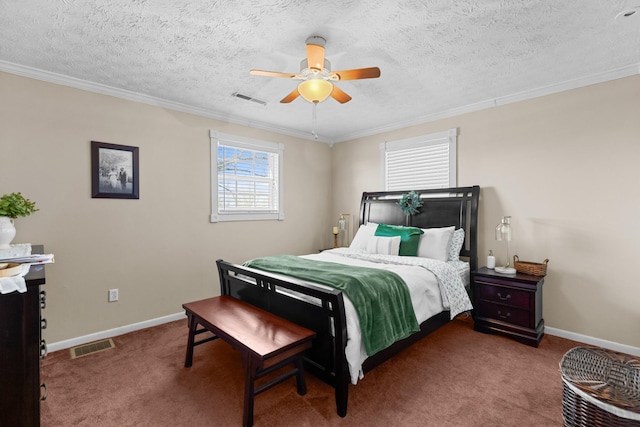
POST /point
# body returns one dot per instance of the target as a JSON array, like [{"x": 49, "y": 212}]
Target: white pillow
[
  {"x": 384, "y": 245},
  {"x": 457, "y": 240},
  {"x": 434, "y": 243},
  {"x": 364, "y": 233}
]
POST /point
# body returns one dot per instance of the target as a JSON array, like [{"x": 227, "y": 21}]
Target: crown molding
[
  {"x": 618, "y": 73},
  {"x": 76, "y": 83},
  {"x": 60, "y": 79}
]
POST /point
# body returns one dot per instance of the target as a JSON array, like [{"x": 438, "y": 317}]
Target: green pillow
[{"x": 409, "y": 237}]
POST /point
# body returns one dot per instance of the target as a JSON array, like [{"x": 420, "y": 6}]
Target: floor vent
[{"x": 94, "y": 347}]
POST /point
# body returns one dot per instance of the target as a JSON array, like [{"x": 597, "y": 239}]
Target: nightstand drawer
[
  {"x": 505, "y": 295},
  {"x": 512, "y": 315}
]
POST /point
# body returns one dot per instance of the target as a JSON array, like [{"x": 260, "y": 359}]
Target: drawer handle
[
  {"x": 43, "y": 391},
  {"x": 43, "y": 323},
  {"x": 504, "y": 298},
  {"x": 504, "y": 316},
  {"x": 43, "y": 299},
  {"x": 43, "y": 349}
]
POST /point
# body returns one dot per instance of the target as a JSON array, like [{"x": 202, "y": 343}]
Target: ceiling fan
[{"x": 317, "y": 77}]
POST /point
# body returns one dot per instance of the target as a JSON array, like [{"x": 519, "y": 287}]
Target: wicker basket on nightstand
[
  {"x": 600, "y": 388},
  {"x": 531, "y": 268}
]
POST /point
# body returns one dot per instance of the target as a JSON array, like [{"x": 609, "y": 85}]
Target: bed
[{"x": 328, "y": 311}]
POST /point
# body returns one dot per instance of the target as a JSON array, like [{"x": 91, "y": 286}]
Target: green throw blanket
[{"x": 380, "y": 297}]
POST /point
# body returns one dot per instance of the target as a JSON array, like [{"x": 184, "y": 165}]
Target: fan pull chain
[{"x": 314, "y": 120}]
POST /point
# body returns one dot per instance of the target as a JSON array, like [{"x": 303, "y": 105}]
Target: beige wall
[
  {"x": 160, "y": 250},
  {"x": 565, "y": 167}
]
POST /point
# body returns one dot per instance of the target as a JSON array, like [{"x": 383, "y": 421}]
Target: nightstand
[{"x": 508, "y": 304}]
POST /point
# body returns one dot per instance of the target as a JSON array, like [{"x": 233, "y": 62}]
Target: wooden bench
[{"x": 265, "y": 341}]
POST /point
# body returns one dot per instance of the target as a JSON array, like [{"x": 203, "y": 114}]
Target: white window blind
[
  {"x": 427, "y": 161},
  {"x": 246, "y": 178}
]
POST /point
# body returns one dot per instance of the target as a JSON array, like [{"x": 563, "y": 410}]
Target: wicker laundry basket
[{"x": 600, "y": 388}]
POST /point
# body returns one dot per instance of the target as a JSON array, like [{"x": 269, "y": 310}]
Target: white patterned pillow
[
  {"x": 457, "y": 240},
  {"x": 384, "y": 245}
]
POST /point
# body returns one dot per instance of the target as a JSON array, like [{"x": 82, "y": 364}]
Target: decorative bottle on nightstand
[{"x": 491, "y": 260}]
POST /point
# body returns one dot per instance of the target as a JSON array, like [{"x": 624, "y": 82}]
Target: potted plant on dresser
[{"x": 12, "y": 206}]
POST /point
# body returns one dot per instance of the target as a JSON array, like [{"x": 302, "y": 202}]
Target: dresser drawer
[
  {"x": 512, "y": 315},
  {"x": 504, "y": 295}
]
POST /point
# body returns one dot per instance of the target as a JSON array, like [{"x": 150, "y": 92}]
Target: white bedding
[{"x": 425, "y": 291}]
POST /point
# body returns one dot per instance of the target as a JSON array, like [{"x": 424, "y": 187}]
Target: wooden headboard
[{"x": 442, "y": 207}]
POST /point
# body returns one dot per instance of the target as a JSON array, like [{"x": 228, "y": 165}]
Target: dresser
[
  {"x": 21, "y": 348},
  {"x": 510, "y": 305}
]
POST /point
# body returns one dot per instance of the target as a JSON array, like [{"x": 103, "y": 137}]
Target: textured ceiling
[{"x": 436, "y": 56}]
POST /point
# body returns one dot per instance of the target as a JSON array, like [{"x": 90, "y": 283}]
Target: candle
[{"x": 335, "y": 230}]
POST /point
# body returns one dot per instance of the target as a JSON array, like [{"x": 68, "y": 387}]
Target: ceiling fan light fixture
[
  {"x": 316, "y": 76},
  {"x": 306, "y": 70},
  {"x": 315, "y": 90}
]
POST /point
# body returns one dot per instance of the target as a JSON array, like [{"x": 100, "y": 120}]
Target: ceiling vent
[{"x": 248, "y": 98}]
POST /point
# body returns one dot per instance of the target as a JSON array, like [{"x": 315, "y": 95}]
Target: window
[
  {"x": 427, "y": 161},
  {"x": 246, "y": 178}
]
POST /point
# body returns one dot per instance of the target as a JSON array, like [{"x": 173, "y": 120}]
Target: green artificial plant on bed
[{"x": 409, "y": 203}]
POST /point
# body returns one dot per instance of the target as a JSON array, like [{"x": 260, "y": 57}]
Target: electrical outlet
[{"x": 113, "y": 295}]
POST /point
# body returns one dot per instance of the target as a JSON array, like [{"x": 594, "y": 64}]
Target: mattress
[{"x": 424, "y": 290}]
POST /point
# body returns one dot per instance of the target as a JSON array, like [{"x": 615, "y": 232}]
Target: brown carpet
[{"x": 453, "y": 377}]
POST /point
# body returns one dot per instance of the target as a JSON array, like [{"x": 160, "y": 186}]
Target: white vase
[{"x": 7, "y": 232}]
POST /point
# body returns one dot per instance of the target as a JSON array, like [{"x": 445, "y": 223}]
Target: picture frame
[{"x": 114, "y": 171}]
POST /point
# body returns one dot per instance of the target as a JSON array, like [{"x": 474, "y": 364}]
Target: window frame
[
  {"x": 236, "y": 141},
  {"x": 449, "y": 137}
]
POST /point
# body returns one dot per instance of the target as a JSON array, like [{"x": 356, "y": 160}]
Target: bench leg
[
  {"x": 250, "y": 370},
  {"x": 300, "y": 382},
  {"x": 188, "y": 360}
]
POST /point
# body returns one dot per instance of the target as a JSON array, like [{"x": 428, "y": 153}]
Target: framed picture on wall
[{"x": 114, "y": 171}]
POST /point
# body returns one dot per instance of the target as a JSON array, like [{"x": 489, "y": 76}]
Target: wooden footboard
[
  {"x": 306, "y": 304},
  {"x": 315, "y": 308}
]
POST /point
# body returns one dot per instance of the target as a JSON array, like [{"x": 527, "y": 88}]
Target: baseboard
[
  {"x": 61, "y": 345},
  {"x": 622, "y": 348}
]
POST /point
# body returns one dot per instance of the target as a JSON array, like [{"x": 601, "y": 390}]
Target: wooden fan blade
[
  {"x": 339, "y": 95},
  {"x": 293, "y": 95},
  {"x": 272, "y": 74},
  {"x": 360, "y": 73},
  {"x": 315, "y": 56}
]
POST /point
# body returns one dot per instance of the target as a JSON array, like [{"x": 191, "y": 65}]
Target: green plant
[
  {"x": 410, "y": 202},
  {"x": 15, "y": 204}
]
